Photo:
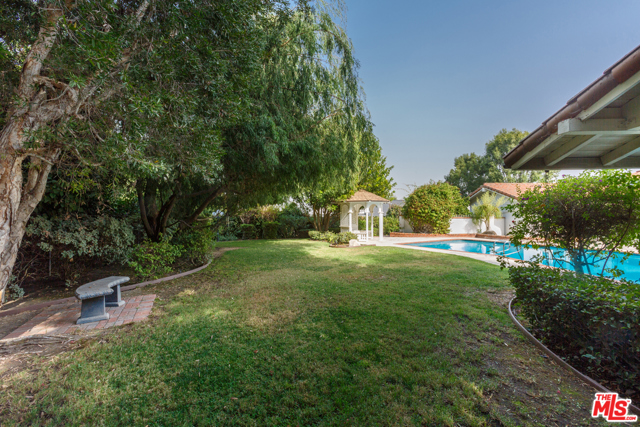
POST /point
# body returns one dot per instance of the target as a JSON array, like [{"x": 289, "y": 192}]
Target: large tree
[
  {"x": 471, "y": 170},
  {"x": 371, "y": 173},
  {"x": 302, "y": 128},
  {"x": 85, "y": 77},
  {"x": 374, "y": 174}
]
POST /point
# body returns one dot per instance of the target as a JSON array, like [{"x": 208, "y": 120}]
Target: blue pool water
[{"x": 630, "y": 266}]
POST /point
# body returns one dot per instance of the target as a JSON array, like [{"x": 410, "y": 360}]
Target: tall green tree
[
  {"x": 371, "y": 174},
  {"x": 374, "y": 174},
  {"x": 92, "y": 78},
  {"x": 471, "y": 170}
]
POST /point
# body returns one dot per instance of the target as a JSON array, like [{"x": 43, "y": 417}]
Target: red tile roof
[{"x": 509, "y": 189}]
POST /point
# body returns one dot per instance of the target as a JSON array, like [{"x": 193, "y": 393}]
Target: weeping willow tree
[{"x": 190, "y": 101}]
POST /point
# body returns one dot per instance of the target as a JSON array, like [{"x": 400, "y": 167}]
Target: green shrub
[
  {"x": 593, "y": 321},
  {"x": 270, "y": 229},
  {"x": 317, "y": 235},
  {"x": 389, "y": 223},
  {"x": 429, "y": 208},
  {"x": 589, "y": 216},
  {"x": 327, "y": 236},
  {"x": 198, "y": 243},
  {"x": 72, "y": 244},
  {"x": 154, "y": 259},
  {"x": 15, "y": 291},
  {"x": 248, "y": 231},
  {"x": 229, "y": 230},
  {"x": 342, "y": 238},
  {"x": 394, "y": 211},
  {"x": 108, "y": 238}
]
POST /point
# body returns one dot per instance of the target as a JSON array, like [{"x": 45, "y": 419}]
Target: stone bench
[{"x": 98, "y": 295}]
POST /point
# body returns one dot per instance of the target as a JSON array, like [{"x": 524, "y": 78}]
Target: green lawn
[{"x": 297, "y": 333}]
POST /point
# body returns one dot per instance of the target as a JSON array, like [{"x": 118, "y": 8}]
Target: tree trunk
[
  {"x": 19, "y": 196},
  {"x": 34, "y": 109}
]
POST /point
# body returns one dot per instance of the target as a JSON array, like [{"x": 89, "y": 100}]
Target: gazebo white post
[
  {"x": 366, "y": 222},
  {"x": 371, "y": 221},
  {"x": 350, "y": 220},
  {"x": 380, "y": 223}
]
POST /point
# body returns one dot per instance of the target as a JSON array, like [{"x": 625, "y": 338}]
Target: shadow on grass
[{"x": 291, "y": 333}]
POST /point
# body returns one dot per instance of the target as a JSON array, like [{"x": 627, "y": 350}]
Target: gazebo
[{"x": 350, "y": 208}]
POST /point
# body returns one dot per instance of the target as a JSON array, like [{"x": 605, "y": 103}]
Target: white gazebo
[{"x": 350, "y": 208}]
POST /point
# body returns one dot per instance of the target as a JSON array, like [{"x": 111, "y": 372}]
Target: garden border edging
[
  {"x": 559, "y": 360},
  {"x": 123, "y": 289}
]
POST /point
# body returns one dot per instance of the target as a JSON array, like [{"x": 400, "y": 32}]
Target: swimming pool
[{"x": 630, "y": 266}]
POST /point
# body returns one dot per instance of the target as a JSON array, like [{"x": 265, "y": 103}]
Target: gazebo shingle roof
[{"x": 365, "y": 196}]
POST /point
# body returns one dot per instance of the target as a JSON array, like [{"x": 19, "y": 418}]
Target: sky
[{"x": 443, "y": 77}]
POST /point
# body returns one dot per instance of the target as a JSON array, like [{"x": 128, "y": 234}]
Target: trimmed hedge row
[
  {"x": 333, "y": 238},
  {"x": 593, "y": 322}
]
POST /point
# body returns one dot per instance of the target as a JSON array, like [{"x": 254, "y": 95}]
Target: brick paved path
[{"x": 61, "y": 318}]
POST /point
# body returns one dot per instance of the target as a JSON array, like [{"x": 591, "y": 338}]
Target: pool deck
[{"x": 402, "y": 242}]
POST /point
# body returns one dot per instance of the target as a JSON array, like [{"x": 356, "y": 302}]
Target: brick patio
[{"x": 61, "y": 318}]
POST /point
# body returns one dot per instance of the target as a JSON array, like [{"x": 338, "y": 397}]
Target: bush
[
  {"x": 154, "y": 259},
  {"x": 342, "y": 238},
  {"x": 593, "y": 321},
  {"x": 270, "y": 230},
  {"x": 590, "y": 216},
  {"x": 429, "y": 208},
  {"x": 394, "y": 211},
  {"x": 198, "y": 243},
  {"x": 15, "y": 291},
  {"x": 389, "y": 223},
  {"x": 248, "y": 231},
  {"x": 73, "y": 243},
  {"x": 317, "y": 235}
]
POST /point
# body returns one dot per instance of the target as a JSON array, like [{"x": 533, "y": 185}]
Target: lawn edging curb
[
  {"x": 559, "y": 360},
  {"x": 123, "y": 289}
]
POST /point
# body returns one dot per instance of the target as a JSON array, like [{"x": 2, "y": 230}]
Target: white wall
[
  {"x": 508, "y": 221},
  {"x": 404, "y": 225},
  {"x": 462, "y": 226}
]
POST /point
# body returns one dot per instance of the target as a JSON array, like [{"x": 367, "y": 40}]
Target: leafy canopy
[{"x": 471, "y": 170}]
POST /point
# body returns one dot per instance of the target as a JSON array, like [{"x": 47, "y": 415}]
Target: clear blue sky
[{"x": 443, "y": 77}]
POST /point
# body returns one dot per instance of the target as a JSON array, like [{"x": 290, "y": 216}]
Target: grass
[{"x": 289, "y": 333}]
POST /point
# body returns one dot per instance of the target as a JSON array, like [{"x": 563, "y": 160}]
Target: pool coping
[{"x": 490, "y": 259}]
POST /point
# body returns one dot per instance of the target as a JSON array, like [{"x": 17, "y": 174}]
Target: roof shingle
[{"x": 365, "y": 196}]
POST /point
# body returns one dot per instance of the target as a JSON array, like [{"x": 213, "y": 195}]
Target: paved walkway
[{"x": 61, "y": 318}]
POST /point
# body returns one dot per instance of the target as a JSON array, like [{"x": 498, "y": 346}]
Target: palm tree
[{"x": 487, "y": 207}]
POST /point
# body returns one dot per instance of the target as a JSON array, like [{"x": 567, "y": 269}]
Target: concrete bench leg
[
  {"x": 115, "y": 299},
  {"x": 93, "y": 310}
]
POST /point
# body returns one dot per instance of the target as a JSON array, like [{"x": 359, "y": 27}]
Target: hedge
[
  {"x": 248, "y": 231},
  {"x": 270, "y": 229},
  {"x": 593, "y": 322},
  {"x": 342, "y": 238}
]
